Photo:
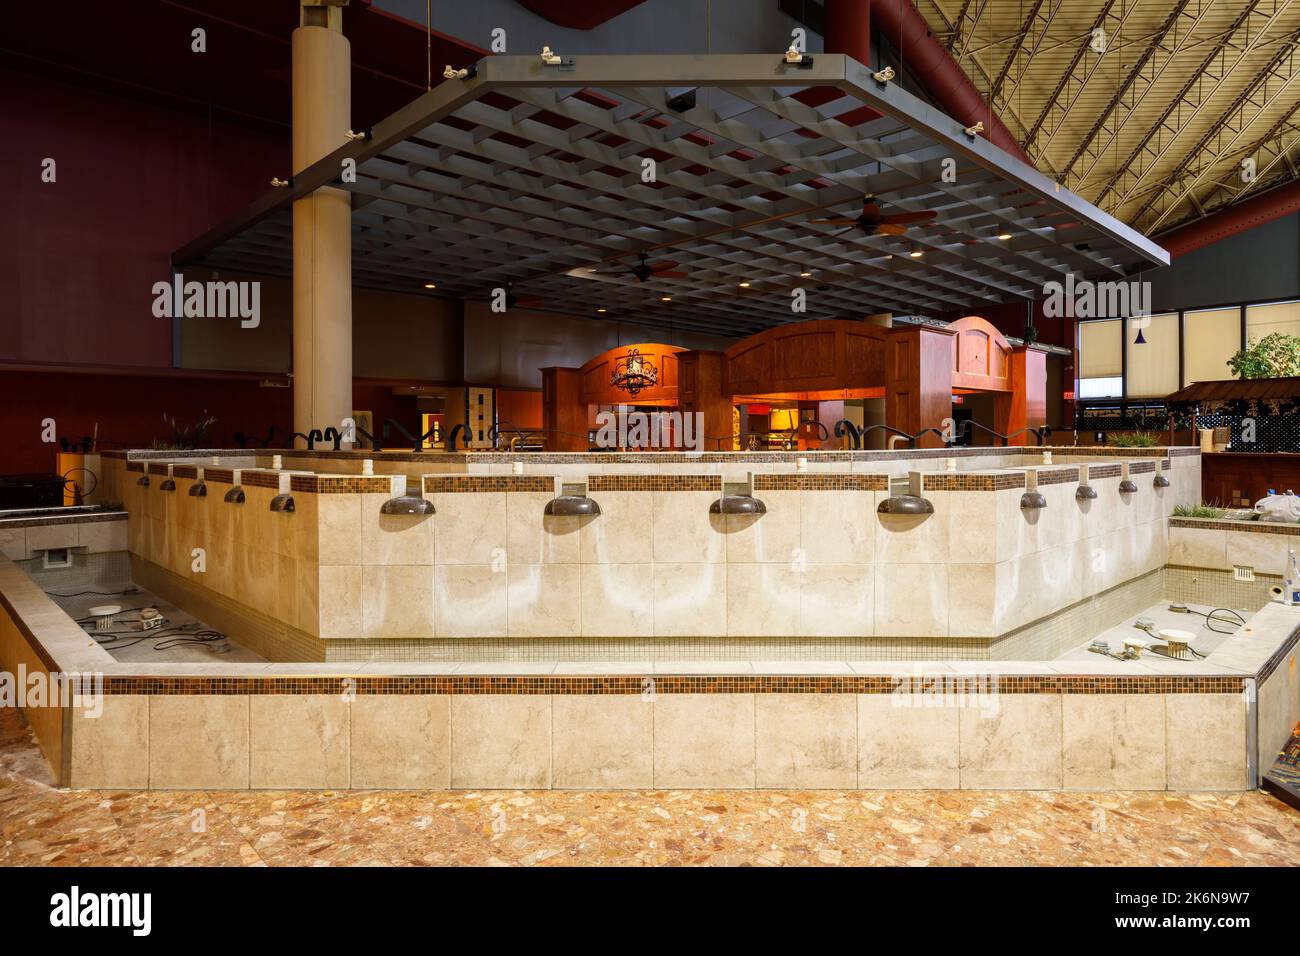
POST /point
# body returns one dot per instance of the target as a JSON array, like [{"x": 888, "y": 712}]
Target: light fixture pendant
[
  {"x": 1141, "y": 339},
  {"x": 633, "y": 373}
]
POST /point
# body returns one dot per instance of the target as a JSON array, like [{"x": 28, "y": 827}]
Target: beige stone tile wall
[
  {"x": 1279, "y": 709},
  {"x": 656, "y": 563},
  {"x": 666, "y": 741},
  {"x": 1231, "y": 544}
]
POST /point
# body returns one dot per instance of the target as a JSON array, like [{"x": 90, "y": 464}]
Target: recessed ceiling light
[
  {"x": 431, "y": 285},
  {"x": 602, "y": 310},
  {"x": 805, "y": 275},
  {"x": 744, "y": 285},
  {"x": 666, "y": 298},
  {"x": 916, "y": 252},
  {"x": 1004, "y": 236}
]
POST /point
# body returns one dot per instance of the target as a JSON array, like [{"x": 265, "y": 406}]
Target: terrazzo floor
[{"x": 40, "y": 826}]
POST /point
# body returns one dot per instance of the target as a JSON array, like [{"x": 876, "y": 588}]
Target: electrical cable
[
  {"x": 129, "y": 590},
  {"x": 1210, "y": 619}
]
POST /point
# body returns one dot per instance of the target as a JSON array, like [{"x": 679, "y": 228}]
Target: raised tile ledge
[
  {"x": 85, "y": 517},
  {"x": 668, "y": 457},
  {"x": 1261, "y": 644},
  {"x": 1236, "y": 524},
  {"x": 661, "y": 682},
  {"x": 56, "y": 639}
]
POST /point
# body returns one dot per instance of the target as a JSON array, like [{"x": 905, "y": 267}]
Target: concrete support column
[{"x": 322, "y": 225}]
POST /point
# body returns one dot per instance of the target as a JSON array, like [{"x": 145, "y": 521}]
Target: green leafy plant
[
  {"x": 185, "y": 436},
  {"x": 1202, "y": 510},
  {"x": 1136, "y": 440},
  {"x": 1276, "y": 355}
]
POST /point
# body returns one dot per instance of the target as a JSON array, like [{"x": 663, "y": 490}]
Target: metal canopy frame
[{"x": 530, "y": 175}]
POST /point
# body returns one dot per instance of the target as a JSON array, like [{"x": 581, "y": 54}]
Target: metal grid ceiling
[
  {"x": 1152, "y": 124},
  {"x": 531, "y": 176}
]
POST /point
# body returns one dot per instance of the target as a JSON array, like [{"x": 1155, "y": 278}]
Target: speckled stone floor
[{"x": 40, "y": 826}]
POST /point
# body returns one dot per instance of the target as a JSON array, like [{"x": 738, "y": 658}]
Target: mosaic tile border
[
  {"x": 1278, "y": 656},
  {"x": 966, "y": 481},
  {"x": 820, "y": 482},
  {"x": 654, "y": 483},
  {"x": 135, "y": 456},
  {"x": 470, "y": 484},
  {"x": 1142, "y": 468},
  {"x": 342, "y": 484},
  {"x": 1222, "y": 524},
  {"x": 625, "y": 685},
  {"x": 1057, "y": 476},
  {"x": 260, "y": 479},
  {"x": 91, "y": 518},
  {"x": 1105, "y": 471}
]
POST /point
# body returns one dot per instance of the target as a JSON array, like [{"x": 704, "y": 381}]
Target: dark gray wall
[
  {"x": 1261, "y": 263},
  {"x": 656, "y": 26}
]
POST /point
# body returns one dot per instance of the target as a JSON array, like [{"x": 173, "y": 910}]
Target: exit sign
[{"x": 1069, "y": 396}]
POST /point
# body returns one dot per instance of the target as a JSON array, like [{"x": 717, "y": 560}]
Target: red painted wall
[
  {"x": 134, "y": 181},
  {"x": 129, "y": 410}
]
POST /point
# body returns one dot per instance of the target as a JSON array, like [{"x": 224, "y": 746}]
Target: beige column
[{"x": 322, "y": 224}]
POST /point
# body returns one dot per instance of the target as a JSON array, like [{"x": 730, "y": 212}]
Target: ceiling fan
[
  {"x": 874, "y": 223},
  {"x": 644, "y": 272},
  {"x": 515, "y": 301}
]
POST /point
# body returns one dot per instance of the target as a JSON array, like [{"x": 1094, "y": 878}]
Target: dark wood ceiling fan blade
[
  {"x": 664, "y": 265},
  {"x": 910, "y": 217},
  {"x": 833, "y": 222},
  {"x": 672, "y": 274},
  {"x": 843, "y": 231},
  {"x": 890, "y": 229}
]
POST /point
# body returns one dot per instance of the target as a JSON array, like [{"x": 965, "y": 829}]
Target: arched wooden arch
[
  {"x": 981, "y": 356},
  {"x": 916, "y": 368},
  {"x": 596, "y": 388},
  {"x": 567, "y": 393},
  {"x": 821, "y": 358}
]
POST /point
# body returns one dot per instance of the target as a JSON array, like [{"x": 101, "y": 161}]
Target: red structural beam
[
  {"x": 584, "y": 15},
  {"x": 1266, "y": 207},
  {"x": 848, "y": 29},
  {"x": 917, "y": 47}
]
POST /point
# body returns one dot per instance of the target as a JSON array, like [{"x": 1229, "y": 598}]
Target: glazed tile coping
[
  {"x": 1255, "y": 651},
  {"x": 1232, "y": 524},
  {"x": 89, "y": 517}
]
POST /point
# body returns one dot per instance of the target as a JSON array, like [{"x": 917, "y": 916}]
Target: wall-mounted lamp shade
[
  {"x": 738, "y": 505},
  {"x": 1086, "y": 493},
  {"x": 1128, "y": 486},
  {"x": 1161, "y": 481},
  {"x": 235, "y": 495},
  {"x": 1033, "y": 500},
  {"x": 783, "y": 419},
  {"x": 167, "y": 484},
  {"x": 283, "y": 503},
  {"x": 143, "y": 481},
  {"x": 571, "y": 506},
  {"x": 198, "y": 490},
  {"x": 906, "y": 505},
  {"x": 407, "y": 505}
]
